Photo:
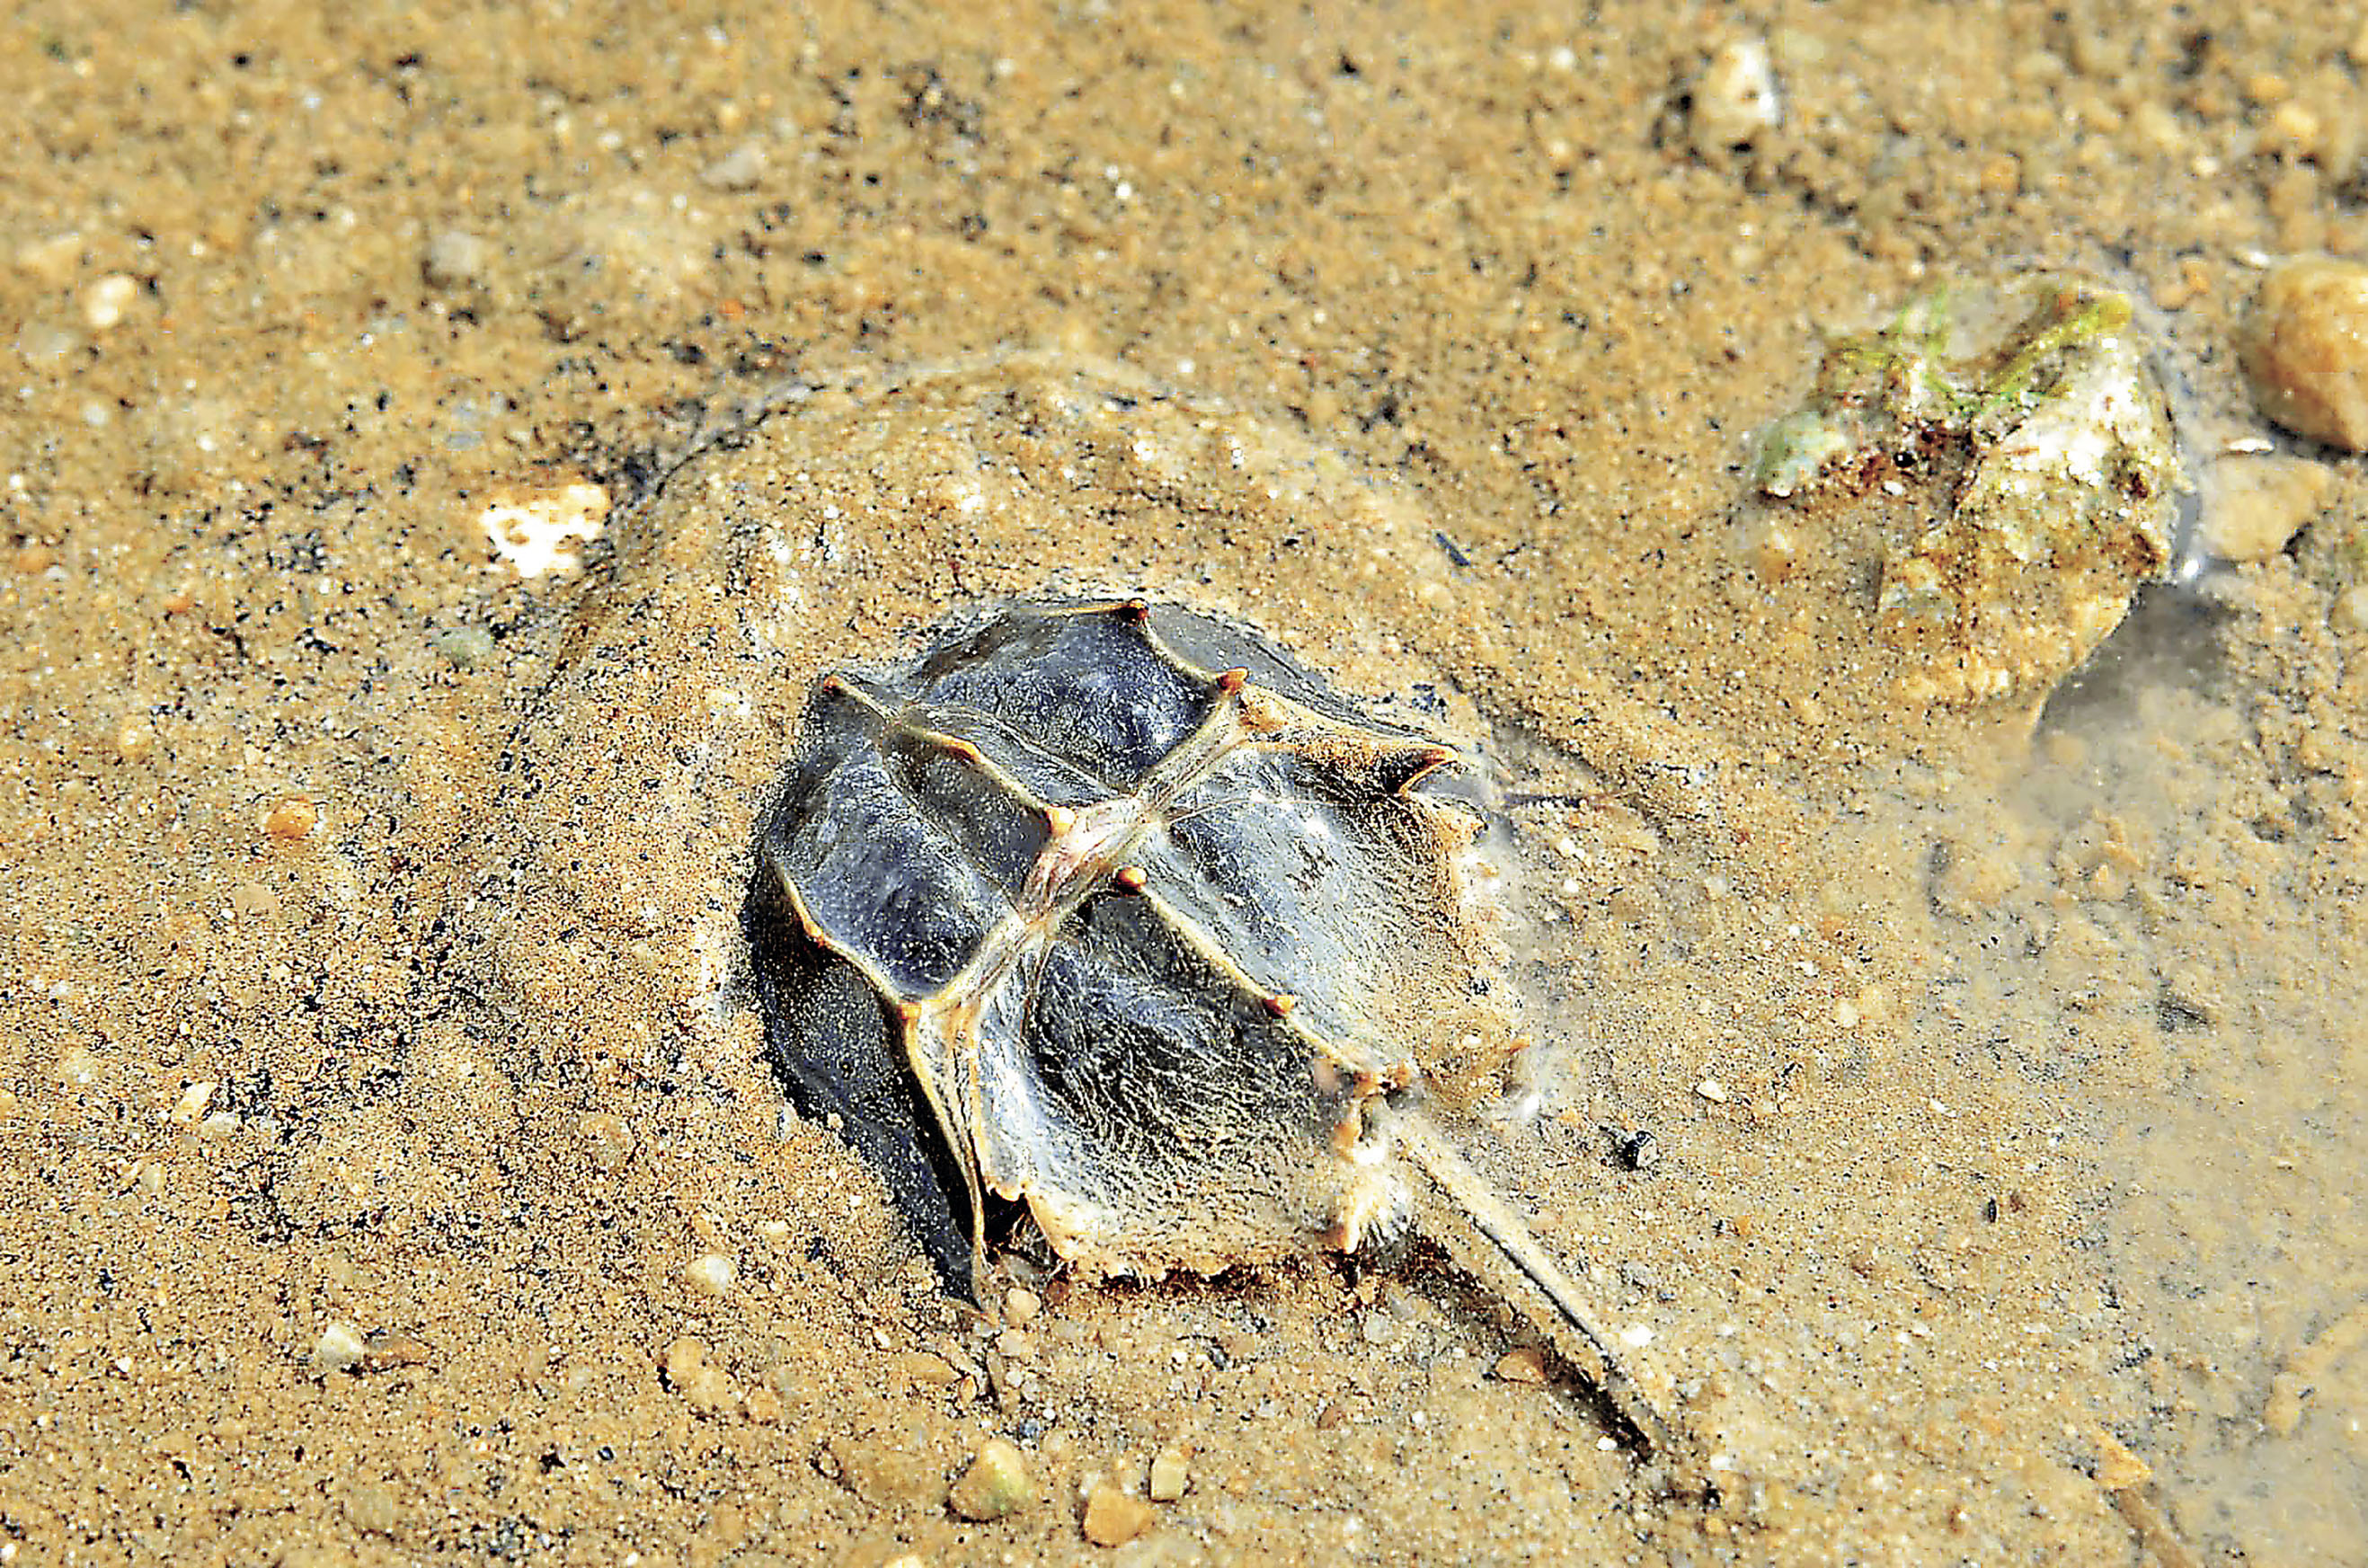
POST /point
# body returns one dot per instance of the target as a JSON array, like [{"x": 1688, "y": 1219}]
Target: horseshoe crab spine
[{"x": 1457, "y": 1208}]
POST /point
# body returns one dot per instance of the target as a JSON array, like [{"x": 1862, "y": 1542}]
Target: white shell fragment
[{"x": 534, "y": 532}]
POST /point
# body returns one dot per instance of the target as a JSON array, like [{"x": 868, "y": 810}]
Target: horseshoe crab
[{"x": 1120, "y": 913}]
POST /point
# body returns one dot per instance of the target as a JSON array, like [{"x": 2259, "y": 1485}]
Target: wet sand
[{"x": 379, "y": 1055}]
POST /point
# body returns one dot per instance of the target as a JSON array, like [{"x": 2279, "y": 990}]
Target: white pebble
[
  {"x": 1171, "y": 1475},
  {"x": 456, "y": 258},
  {"x": 339, "y": 1347},
  {"x": 1734, "y": 99},
  {"x": 104, "y": 302},
  {"x": 741, "y": 169},
  {"x": 710, "y": 1274}
]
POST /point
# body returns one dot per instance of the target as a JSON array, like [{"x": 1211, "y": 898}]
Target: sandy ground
[{"x": 377, "y": 1049}]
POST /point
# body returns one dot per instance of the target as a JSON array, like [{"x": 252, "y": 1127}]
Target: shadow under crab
[{"x": 1119, "y": 914}]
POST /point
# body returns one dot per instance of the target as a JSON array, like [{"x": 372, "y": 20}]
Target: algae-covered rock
[{"x": 2023, "y": 449}]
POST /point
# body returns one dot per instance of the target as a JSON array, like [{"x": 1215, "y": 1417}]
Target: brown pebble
[
  {"x": 684, "y": 1357},
  {"x": 2304, "y": 348},
  {"x": 290, "y": 819},
  {"x": 1331, "y": 1419},
  {"x": 892, "y": 1467},
  {"x": 253, "y": 902},
  {"x": 704, "y": 1385},
  {"x": 387, "y": 1350},
  {"x": 1113, "y": 1518},
  {"x": 2255, "y": 504},
  {"x": 2118, "y": 1470},
  {"x": 1527, "y": 1365},
  {"x": 995, "y": 1485},
  {"x": 33, "y": 560},
  {"x": 920, "y": 1366}
]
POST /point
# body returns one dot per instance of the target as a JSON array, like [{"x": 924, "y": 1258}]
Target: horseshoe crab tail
[{"x": 1457, "y": 1209}]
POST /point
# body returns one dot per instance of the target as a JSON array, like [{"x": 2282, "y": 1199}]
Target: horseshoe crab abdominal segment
[{"x": 1119, "y": 914}]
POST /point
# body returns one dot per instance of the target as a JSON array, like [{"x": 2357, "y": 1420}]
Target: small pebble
[
  {"x": 455, "y": 259},
  {"x": 607, "y": 1141},
  {"x": 192, "y": 1103},
  {"x": 465, "y": 647},
  {"x": 534, "y": 531},
  {"x": 741, "y": 169},
  {"x": 1639, "y": 1150},
  {"x": 704, "y": 1385},
  {"x": 134, "y": 741},
  {"x": 1020, "y": 1306},
  {"x": 1712, "y": 1090},
  {"x": 339, "y": 1348},
  {"x": 78, "y": 1067},
  {"x": 2304, "y": 348},
  {"x": 920, "y": 1366},
  {"x": 709, "y": 1274},
  {"x": 2351, "y": 608},
  {"x": 255, "y": 903},
  {"x": 1526, "y": 1365},
  {"x": 1734, "y": 99},
  {"x": 371, "y": 1509},
  {"x": 1171, "y": 1475},
  {"x": 389, "y": 1348},
  {"x": 994, "y": 1486},
  {"x": 2255, "y": 504},
  {"x": 53, "y": 261},
  {"x": 290, "y": 819},
  {"x": 1113, "y": 1518},
  {"x": 104, "y": 302}
]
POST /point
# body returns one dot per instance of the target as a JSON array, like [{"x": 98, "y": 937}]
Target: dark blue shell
[{"x": 1114, "y": 910}]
